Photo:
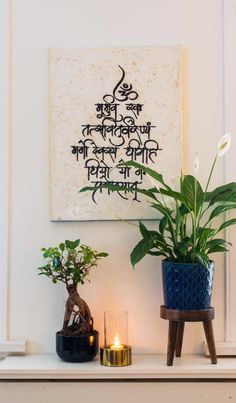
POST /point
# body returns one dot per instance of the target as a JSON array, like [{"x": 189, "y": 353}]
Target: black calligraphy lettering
[
  {"x": 123, "y": 91},
  {"x": 117, "y": 133},
  {"x": 98, "y": 169},
  {"x": 135, "y": 108},
  {"x": 128, "y": 187}
]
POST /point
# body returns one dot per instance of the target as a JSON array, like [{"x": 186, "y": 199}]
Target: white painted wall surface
[
  {"x": 36, "y": 306},
  {"x": 230, "y": 172},
  {"x": 115, "y": 392}
]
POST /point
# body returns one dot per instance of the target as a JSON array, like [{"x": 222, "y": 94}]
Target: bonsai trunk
[{"x": 78, "y": 320}]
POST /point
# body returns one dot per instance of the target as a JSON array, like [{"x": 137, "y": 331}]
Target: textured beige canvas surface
[{"x": 108, "y": 105}]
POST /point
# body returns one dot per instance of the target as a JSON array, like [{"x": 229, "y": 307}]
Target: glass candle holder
[{"x": 116, "y": 352}]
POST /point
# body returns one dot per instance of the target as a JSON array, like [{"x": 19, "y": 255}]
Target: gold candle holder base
[{"x": 116, "y": 358}]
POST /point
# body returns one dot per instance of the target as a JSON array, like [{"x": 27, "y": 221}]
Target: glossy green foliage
[
  {"x": 186, "y": 231},
  {"x": 70, "y": 262}
]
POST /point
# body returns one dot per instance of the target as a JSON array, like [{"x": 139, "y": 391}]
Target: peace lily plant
[{"x": 187, "y": 232}]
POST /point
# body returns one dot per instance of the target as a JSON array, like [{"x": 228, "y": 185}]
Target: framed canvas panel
[{"x": 106, "y": 106}]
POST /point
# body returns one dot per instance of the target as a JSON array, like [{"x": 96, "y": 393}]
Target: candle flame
[{"x": 116, "y": 341}]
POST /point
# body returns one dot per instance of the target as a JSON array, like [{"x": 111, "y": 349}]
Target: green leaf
[
  {"x": 192, "y": 192},
  {"x": 155, "y": 175},
  {"x": 224, "y": 193},
  {"x": 174, "y": 195},
  {"x": 76, "y": 275},
  {"x": 221, "y": 209},
  {"x": 226, "y": 224},
  {"x": 76, "y": 243},
  {"x": 117, "y": 188},
  {"x": 54, "y": 281},
  {"x": 162, "y": 209},
  {"x": 43, "y": 268},
  {"x": 140, "y": 250},
  {"x": 155, "y": 253},
  {"x": 202, "y": 258},
  {"x": 62, "y": 247},
  {"x": 156, "y": 236},
  {"x": 204, "y": 234},
  {"x": 217, "y": 249},
  {"x": 163, "y": 224},
  {"x": 182, "y": 247},
  {"x": 144, "y": 231},
  {"x": 56, "y": 262},
  {"x": 69, "y": 244},
  {"x": 102, "y": 254},
  {"x": 183, "y": 210},
  {"x": 217, "y": 242}
]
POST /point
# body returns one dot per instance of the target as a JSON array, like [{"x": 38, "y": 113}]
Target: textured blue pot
[{"x": 187, "y": 286}]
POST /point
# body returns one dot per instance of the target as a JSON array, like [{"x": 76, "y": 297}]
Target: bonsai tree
[
  {"x": 187, "y": 231},
  {"x": 70, "y": 263}
]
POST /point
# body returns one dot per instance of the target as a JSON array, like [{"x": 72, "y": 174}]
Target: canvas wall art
[{"x": 109, "y": 105}]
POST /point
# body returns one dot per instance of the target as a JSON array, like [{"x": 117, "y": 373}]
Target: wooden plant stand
[{"x": 177, "y": 319}]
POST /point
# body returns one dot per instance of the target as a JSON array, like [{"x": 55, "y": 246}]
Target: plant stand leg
[
  {"x": 179, "y": 341},
  {"x": 208, "y": 329},
  {"x": 173, "y": 328}
]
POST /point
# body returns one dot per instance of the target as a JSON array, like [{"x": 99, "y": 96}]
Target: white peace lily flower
[
  {"x": 224, "y": 144},
  {"x": 196, "y": 164}
]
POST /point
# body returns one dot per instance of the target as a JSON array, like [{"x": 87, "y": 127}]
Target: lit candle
[
  {"x": 116, "y": 352},
  {"x": 116, "y": 344}
]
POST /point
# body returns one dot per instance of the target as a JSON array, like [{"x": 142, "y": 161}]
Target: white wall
[
  {"x": 50, "y": 392},
  {"x": 36, "y": 306}
]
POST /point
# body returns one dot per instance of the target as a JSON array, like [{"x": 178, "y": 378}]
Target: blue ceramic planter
[{"x": 187, "y": 286}]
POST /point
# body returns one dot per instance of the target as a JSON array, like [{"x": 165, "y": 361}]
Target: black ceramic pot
[
  {"x": 77, "y": 348},
  {"x": 187, "y": 286}
]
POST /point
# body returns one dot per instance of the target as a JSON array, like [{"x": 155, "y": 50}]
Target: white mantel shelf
[{"x": 149, "y": 367}]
